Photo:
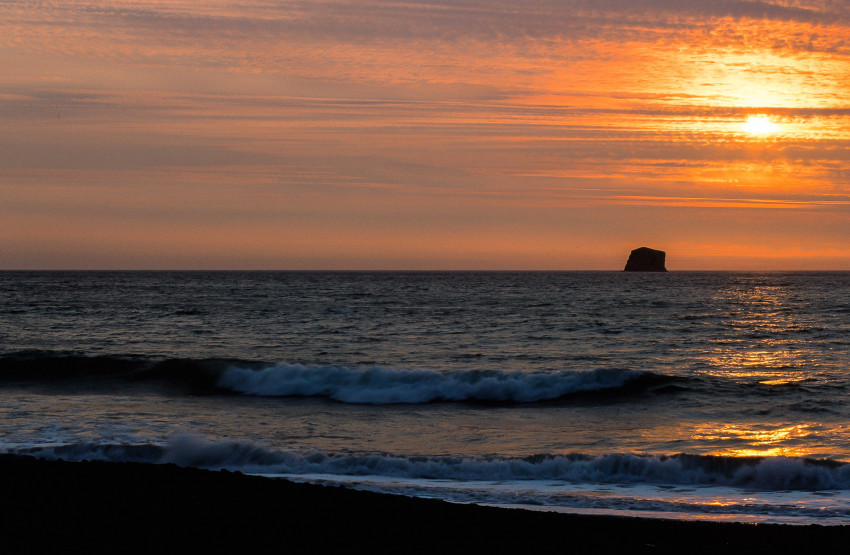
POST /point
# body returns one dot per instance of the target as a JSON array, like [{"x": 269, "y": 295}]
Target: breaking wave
[
  {"x": 374, "y": 385},
  {"x": 385, "y": 386},
  {"x": 761, "y": 473}
]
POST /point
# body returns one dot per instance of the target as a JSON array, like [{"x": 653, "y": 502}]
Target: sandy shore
[{"x": 124, "y": 507}]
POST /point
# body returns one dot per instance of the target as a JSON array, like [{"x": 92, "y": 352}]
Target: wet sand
[{"x": 134, "y": 508}]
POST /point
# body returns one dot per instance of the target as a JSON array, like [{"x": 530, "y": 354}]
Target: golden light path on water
[
  {"x": 766, "y": 344},
  {"x": 760, "y": 440}
]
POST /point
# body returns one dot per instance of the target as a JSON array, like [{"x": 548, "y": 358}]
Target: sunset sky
[{"x": 450, "y": 134}]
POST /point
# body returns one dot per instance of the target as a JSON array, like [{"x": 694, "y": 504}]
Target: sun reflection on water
[
  {"x": 760, "y": 337},
  {"x": 764, "y": 343},
  {"x": 758, "y": 440}
]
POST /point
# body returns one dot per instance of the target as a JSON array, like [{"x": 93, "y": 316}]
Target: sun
[{"x": 759, "y": 125}]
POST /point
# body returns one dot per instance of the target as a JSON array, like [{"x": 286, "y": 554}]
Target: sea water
[{"x": 691, "y": 395}]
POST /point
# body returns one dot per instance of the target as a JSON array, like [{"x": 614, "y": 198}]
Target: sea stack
[{"x": 645, "y": 259}]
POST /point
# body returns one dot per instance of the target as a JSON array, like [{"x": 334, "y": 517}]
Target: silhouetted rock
[{"x": 646, "y": 260}]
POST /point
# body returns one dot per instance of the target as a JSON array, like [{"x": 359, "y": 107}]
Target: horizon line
[{"x": 411, "y": 270}]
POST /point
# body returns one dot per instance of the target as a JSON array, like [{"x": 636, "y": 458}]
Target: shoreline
[{"x": 137, "y": 507}]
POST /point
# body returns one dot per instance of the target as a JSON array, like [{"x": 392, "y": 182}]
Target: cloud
[{"x": 374, "y": 21}]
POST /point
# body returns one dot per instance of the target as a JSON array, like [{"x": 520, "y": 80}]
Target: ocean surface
[{"x": 720, "y": 396}]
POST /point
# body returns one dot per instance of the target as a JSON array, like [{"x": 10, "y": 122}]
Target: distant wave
[
  {"x": 384, "y": 386},
  {"x": 381, "y": 385},
  {"x": 348, "y": 385},
  {"x": 763, "y": 473}
]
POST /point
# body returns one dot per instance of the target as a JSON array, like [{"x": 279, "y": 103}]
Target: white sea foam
[
  {"x": 683, "y": 502},
  {"x": 385, "y": 386}
]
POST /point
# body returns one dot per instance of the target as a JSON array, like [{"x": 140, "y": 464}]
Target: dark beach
[{"x": 129, "y": 507}]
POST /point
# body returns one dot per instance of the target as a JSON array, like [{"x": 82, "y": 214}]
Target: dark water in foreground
[{"x": 692, "y": 395}]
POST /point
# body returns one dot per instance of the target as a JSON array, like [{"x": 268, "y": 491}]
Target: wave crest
[
  {"x": 385, "y": 386},
  {"x": 374, "y": 385},
  {"x": 761, "y": 473},
  {"x": 766, "y": 473}
]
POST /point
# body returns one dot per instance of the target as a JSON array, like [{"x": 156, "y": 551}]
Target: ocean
[{"x": 689, "y": 395}]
